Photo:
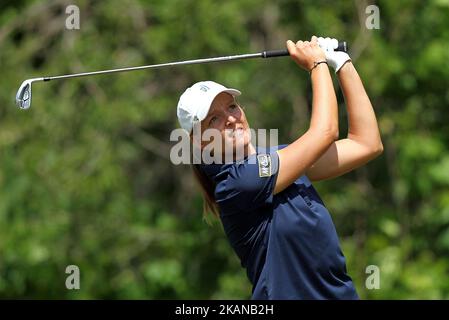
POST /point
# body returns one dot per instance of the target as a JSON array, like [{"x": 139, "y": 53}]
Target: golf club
[{"x": 23, "y": 96}]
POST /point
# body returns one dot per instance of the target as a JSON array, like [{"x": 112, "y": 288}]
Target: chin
[{"x": 239, "y": 145}]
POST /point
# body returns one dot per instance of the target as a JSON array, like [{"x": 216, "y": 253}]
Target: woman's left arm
[{"x": 363, "y": 142}]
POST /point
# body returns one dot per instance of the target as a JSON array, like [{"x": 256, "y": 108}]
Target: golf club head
[{"x": 23, "y": 96}]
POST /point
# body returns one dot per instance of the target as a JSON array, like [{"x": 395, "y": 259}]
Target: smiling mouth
[
  {"x": 238, "y": 132},
  {"x": 235, "y": 133}
]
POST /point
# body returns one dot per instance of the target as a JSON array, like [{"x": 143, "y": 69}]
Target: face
[{"x": 228, "y": 119}]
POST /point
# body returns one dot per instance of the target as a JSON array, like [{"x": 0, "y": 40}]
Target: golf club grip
[{"x": 342, "y": 46}]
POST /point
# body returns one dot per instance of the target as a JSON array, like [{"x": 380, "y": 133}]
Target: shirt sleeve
[{"x": 248, "y": 184}]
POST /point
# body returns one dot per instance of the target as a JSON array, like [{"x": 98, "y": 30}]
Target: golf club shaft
[
  {"x": 154, "y": 66},
  {"x": 264, "y": 54}
]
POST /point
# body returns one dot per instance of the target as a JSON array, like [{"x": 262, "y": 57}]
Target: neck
[{"x": 250, "y": 150}]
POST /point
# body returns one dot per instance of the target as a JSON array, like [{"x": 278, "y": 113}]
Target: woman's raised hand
[{"x": 306, "y": 53}]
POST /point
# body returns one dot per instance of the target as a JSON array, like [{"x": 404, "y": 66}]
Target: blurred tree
[{"x": 85, "y": 174}]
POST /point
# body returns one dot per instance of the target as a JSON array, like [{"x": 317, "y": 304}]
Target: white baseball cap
[{"x": 195, "y": 102}]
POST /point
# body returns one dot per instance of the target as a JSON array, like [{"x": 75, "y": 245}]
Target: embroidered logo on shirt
[{"x": 264, "y": 161}]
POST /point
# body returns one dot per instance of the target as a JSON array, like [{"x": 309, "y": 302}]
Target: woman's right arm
[{"x": 297, "y": 157}]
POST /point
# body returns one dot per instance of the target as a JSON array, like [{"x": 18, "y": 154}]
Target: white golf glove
[{"x": 336, "y": 59}]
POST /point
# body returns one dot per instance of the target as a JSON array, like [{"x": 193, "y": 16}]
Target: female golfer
[{"x": 272, "y": 216}]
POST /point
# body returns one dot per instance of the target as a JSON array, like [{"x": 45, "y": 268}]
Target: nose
[{"x": 230, "y": 120}]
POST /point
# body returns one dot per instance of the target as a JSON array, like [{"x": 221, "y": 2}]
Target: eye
[
  {"x": 232, "y": 107},
  {"x": 212, "y": 120}
]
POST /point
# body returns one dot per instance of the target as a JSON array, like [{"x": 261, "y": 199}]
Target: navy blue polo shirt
[{"x": 287, "y": 242}]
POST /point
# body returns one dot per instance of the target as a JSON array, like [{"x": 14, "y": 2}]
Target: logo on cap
[{"x": 204, "y": 88}]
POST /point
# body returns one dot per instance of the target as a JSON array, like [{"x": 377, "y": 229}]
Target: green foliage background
[{"x": 85, "y": 174}]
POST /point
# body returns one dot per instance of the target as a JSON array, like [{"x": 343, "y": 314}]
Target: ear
[{"x": 199, "y": 142}]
